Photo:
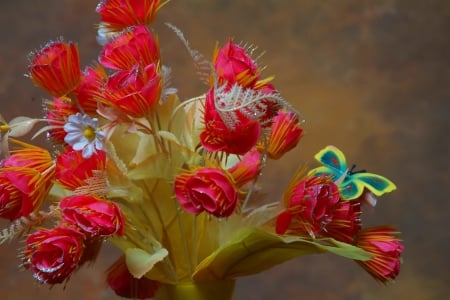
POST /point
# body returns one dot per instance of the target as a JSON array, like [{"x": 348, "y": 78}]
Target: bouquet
[{"x": 174, "y": 184}]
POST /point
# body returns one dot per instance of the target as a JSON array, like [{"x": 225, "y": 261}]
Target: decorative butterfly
[{"x": 351, "y": 183}]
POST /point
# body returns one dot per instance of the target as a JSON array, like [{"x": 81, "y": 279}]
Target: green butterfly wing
[
  {"x": 333, "y": 161},
  {"x": 377, "y": 184},
  {"x": 351, "y": 189}
]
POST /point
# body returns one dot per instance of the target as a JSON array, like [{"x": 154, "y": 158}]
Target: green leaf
[
  {"x": 253, "y": 250},
  {"x": 139, "y": 262}
]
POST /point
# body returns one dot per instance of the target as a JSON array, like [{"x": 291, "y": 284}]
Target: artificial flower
[
  {"x": 22, "y": 191},
  {"x": 284, "y": 135},
  {"x": 57, "y": 112},
  {"x": 120, "y": 14},
  {"x": 93, "y": 216},
  {"x": 135, "y": 92},
  {"x": 83, "y": 134},
  {"x": 233, "y": 64},
  {"x": 218, "y": 136},
  {"x": 53, "y": 254},
  {"x": 382, "y": 242},
  {"x": 72, "y": 169},
  {"x": 126, "y": 285},
  {"x": 90, "y": 87},
  {"x": 55, "y": 68},
  {"x": 206, "y": 189},
  {"x": 310, "y": 205},
  {"x": 247, "y": 169},
  {"x": 137, "y": 45}
]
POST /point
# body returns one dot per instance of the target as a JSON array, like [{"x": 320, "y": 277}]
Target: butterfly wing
[
  {"x": 350, "y": 188},
  {"x": 333, "y": 161},
  {"x": 377, "y": 184}
]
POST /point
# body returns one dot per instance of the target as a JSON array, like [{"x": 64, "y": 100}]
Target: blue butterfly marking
[{"x": 351, "y": 183}]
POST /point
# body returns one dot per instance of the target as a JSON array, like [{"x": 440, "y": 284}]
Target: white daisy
[{"x": 83, "y": 134}]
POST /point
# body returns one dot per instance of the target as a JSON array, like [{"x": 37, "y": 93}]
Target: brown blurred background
[{"x": 371, "y": 77}]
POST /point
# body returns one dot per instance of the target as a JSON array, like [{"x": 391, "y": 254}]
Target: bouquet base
[{"x": 217, "y": 290}]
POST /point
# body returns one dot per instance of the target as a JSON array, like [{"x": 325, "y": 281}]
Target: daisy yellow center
[{"x": 89, "y": 133}]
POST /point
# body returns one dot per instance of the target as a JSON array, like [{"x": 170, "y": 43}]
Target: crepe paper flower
[
  {"x": 233, "y": 64},
  {"x": 310, "y": 206},
  {"x": 284, "y": 135},
  {"x": 57, "y": 111},
  {"x": 382, "y": 242},
  {"x": 134, "y": 92},
  {"x": 55, "y": 68},
  {"x": 217, "y": 136},
  {"x": 206, "y": 189},
  {"x": 22, "y": 191},
  {"x": 126, "y": 285},
  {"x": 346, "y": 222},
  {"x": 120, "y": 14},
  {"x": 90, "y": 88},
  {"x": 93, "y": 216},
  {"x": 83, "y": 134},
  {"x": 29, "y": 156},
  {"x": 247, "y": 169},
  {"x": 53, "y": 254},
  {"x": 137, "y": 45},
  {"x": 72, "y": 169}
]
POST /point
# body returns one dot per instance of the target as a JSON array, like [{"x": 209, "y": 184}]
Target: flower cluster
[{"x": 172, "y": 183}]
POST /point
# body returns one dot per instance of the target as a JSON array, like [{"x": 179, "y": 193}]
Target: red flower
[
  {"x": 72, "y": 169},
  {"x": 233, "y": 64},
  {"x": 93, "y": 216},
  {"x": 56, "y": 68},
  {"x": 119, "y": 14},
  {"x": 217, "y": 136},
  {"x": 90, "y": 88},
  {"x": 386, "y": 249},
  {"x": 346, "y": 222},
  {"x": 247, "y": 168},
  {"x": 310, "y": 206},
  {"x": 285, "y": 134},
  {"x": 125, "y": 285},
  {"x": 132, "y": 47},
  {"x": 22, "y": 190},
  {"x": 57, "y": 113},
  {"x": 53, "y": 254},
  {"x": 135, "y": 92},
  {"x": 206, "y": 189},
  {"x": 29, "y": 156}
]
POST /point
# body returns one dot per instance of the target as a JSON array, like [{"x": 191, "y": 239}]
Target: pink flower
[
  {"x": 125, "y": 285},
  {"x": 217, "y": 136},
  {"x": 386, "y": 249},
  {"x": 22, "y": 190},
  {"x": 247, "y": 169},
  {"x": 310, "y": 206},
  {"x": 57, "y": 112},
  {"x": 72, "y": 169},
  {"x": 233, "y": 64},
  {"x": 93, "y": 216},
  {"x": 89, "y": 91},
  {"x": 206, "y": 189},
  {"x": 29, "y": 156},
  {"x": 53, "y": 254},
  {"x": 132, "y": 47},
  {"x": 56, "y": 68},
  {"x": 346, "y": 222},
  {"x": 285, "y": 134},
  {"x": 135, "y": 92},
  {"x": 119, "y": 14}
]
